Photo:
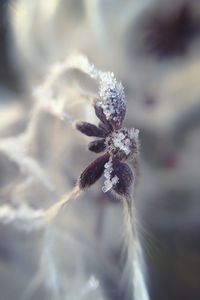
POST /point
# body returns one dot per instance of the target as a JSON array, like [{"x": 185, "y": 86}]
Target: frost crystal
[
  {"x": 110, "y": 181},
  {"x": 123, "y": 141},
  {"x": 112, "y": 96}
]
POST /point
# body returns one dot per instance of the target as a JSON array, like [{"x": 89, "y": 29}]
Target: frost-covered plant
[{"x": 120, "y": 146}]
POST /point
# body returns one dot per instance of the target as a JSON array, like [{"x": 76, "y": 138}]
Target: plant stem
[{"x": 53, "y": 211}]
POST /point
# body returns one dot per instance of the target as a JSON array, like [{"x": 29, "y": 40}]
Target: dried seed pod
[
  {"x": 93, "y": 172},
  {"x": 97, "y": 146},
  {"x": 90, "y": 129},
  {"x": 125, "y": 177},
  {"x": 100, "y": 114},
  {"x": 105, "y": 128}
]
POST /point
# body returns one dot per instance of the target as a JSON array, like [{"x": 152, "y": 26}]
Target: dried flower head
[{"x": 118, "y": 144}]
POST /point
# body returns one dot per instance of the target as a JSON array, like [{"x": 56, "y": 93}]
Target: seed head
[{"x": 118, "y": 144}]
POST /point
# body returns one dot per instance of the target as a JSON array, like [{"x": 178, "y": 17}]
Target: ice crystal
[
  {"x": 111, "y": 180},
  {"x": 123, "y": 143}
]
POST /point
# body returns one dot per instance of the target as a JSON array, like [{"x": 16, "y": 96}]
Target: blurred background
[{"x": 153, "y": 47}]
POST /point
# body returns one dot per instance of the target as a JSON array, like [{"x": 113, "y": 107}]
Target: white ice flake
[
  {"x": 110, "y": 181},
  {"x": 122, "y": 142}
]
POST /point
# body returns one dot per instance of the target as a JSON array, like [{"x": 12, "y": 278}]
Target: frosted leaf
[
  {"x": 97, "y": 146},
  {"x": 89, "y": 129},
  {"x": 125, "y": 177},
  {"x": 111, "y": 99},
  {"x": 93, "y": 172}
]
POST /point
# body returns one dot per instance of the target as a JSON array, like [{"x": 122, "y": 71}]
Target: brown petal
[
  {"x": 117, "y": 117},
  {"x": 93, "y": 172},
  {"x": 106, "y": 129},
  {"x": 97, "y": 146},
  {"x": 100, "y": 114},
  {"x": 125, "y": 177},
  {"x": 90, "y": 129}
]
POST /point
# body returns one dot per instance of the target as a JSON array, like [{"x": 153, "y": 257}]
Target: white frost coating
[
  {"x": 122, "y": 140},
  {"x": 112, "y": 96},
  {"x": 110, "y": 181}
]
